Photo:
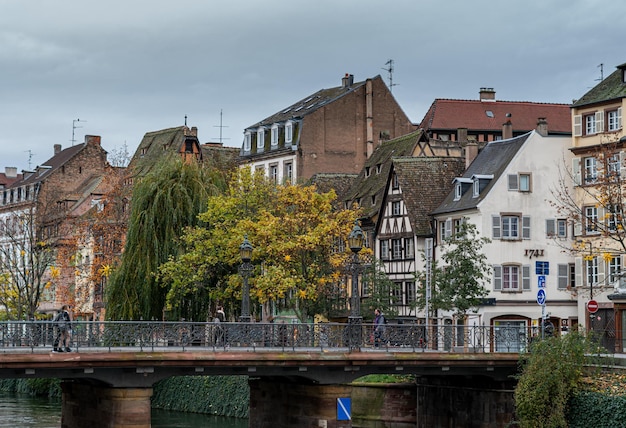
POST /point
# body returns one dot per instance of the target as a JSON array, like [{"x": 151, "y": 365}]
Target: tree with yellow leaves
[{"x": 298, "y": 246}]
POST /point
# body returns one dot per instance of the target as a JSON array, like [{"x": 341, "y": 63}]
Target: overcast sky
[{"x": 121, "y": 68}]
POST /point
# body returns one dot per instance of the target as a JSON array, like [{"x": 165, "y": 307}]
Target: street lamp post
[
  {"x": 355, "y": 320},
  {"x": 245, "y": 251}
]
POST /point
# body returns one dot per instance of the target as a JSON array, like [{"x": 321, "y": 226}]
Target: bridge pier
[{"x": 98, "y": 406}]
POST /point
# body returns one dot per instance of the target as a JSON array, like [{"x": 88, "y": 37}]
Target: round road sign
[{"x": 592, "y": 306}]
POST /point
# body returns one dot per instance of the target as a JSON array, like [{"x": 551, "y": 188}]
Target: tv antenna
[
  {"x": 601, "y": 66},
  {"x": 221, "y": 127},
  {"x": 30, "y": 157},
  {"x": 74, "y": 126},
  {"x": 389, "y": 70}
]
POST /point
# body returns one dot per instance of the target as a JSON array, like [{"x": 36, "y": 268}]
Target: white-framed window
[
  {"x": 288, "y": 172},
  {"x": 615, "y": 268},
  {"x": 510, "y": 227},
  {"x": 519, "y": 182},
  {"x": 511, "y": 278},
  {"x": 442, "y": 231},
  {"x": 507, "y": 227},
  {"x": 613, "y": 165},
  {"x": 592, "y": 271},
  {"x": 556, "y": 228},
  {"x": 409, "y": 249},
  {"x": 591, "y": 219},
  {"x": 396, "y": 208},
  {"x": 476, "y": 188},
  {"x": 590, "y": 124},
  {"x": 613, "y": 217},
  {"x": 566, "y": 274},
  {"x": 396, "y": 249},
  {"x": 260, "y": 138},
  {"x": 396, "y": 293},
  {"x": 591, "y": 169},
  {"x": 458, "y": 191},
  {"x": 524, "y": 182},
  {"x": 288, "y": 132},
  {"x": 274, "y": 136},
  {"x": 384, "y": 249},
  {"x": 274, "y": 173},
  {"x": 247, "y": 141},
  {"x": 614, "y": 119},
  {"x": 394, "y": 181},
  {"x": 410, "y": 292}
]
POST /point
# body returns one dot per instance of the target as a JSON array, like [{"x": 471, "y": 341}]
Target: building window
[
  {"x": 510, "y": 227},
  {"x": 507, "y": 227},
  {"x": 510, "y": 278},
  {"x": 274, "y": 173},
  {"x": 613, "y": 218},
  {"x": 591, "y": 269},
  {"x": 409, "y": 249},
  {"x": 274, "y": 136},
  {"x": 614, "y": 119},
  {"x": 288, "y": 172},
  {"x": 615, "y": 269},
  {"x": 288, "y": 132},
  {"x": 476, "y": 188},
  {"x": 566, "y": 276},
  {"x": 524, "y": 182},
  {"x": 591, "y": 219},
  {"x": 591, "y": 169},
  {"x": 396, "y": 294},
  {"x": 367, "y": 171},
  {"x": 556, "y": 228},
  {"x": 396, "y": 208},
  {"x": 384, "y": 249},
  {"x": 410, "y": 292},
  {"x": 613, "y": 165},
  {"x": 247, "y": 142},
  {"x": 396, "y": 249},
  {"x": 394, "y": 182},
  {"x": 260, "y": 139},
  {"x": 590, "y": 124},
  {"x": 379, "y": 168}
]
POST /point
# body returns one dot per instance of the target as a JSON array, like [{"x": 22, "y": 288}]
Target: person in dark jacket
[{"x": 63, "y": 323}]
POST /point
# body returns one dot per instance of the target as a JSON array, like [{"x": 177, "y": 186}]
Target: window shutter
[
  {"x": 513, "y": 182},
  {"x": 448, "y": 227},
  {"x": 622, "y": 164},
  {"x": 600, "y": 121},
  {"x": 619, "y": 118},
  {"x": 578, "y": 228},
  {"x": 526, "y": 227},
  {"x": 526, "y": 278},
  {"x": 550, "y": 228},
  {"x": 563, "y": 276},
  {"x": 578, "y": 271},
  {"x": 578, "y": 125},
  {"x": 497, "y": 277},
  {"x": 601, "y": 270},
  {"x": 576, "y": 171},
  {"x": 495, "y": 227}
]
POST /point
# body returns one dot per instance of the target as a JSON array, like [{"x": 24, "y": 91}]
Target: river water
[{"x": 33, "y": 412}]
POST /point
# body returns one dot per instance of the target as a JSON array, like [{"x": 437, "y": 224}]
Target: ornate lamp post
[
  {"x": 355, "y": 242},
  {"x": 245, "y": 251}
]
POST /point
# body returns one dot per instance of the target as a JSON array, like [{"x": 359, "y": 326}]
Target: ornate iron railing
[{"x": 109, "y": 336}]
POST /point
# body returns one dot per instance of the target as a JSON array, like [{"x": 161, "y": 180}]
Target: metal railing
[{"x": 109, "y": 336}]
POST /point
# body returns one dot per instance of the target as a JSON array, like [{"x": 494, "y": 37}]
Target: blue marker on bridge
[{"x": 344, "y": 409}]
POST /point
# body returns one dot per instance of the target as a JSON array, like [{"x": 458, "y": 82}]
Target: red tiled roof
[{"x": 445, "y": 114}]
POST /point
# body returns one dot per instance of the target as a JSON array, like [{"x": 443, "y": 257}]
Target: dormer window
[
  {"x": 479, "y": 182},
  {"x": 379, "y": 168},
  {"x": 458, "y": 191},
  {"x": 460, "y": 186},
  {"x": 476, "y": 188},
  {"x": 288, "y": 132},
  {"x": 274, "y": 136},
  {"x": 260, "y": 138},
  {"x": 367, "y": 171},
  {"x": 247, "y": 141}
]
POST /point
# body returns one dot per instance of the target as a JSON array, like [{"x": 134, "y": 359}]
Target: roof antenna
[
  {"x": 30, "y": 157},
  {"x": 601, "y": 72},
  {"x": 74, "y": 126},
  {"x": 390, "y": 71},
  {"x": 220, "y": 126}
]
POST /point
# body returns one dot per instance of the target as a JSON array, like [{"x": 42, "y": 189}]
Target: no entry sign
[{"x": 592, "y": 306}]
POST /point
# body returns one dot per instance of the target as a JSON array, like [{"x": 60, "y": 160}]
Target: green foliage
[
  {"x": 592, "y": 409},
  {"x": 293, "y": 229},
  {"x": 457, "y": 285},
  {"x": 551, "y": 372},
  {"x": 35, "y": 387},
  {"x": 164, "y": 202},
  {"x": 385, "y": 378},
  {"x": 216, "y": 395},
  {"x": 380, "y": 290}
]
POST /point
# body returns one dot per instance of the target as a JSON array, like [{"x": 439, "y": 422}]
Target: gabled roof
[
  {"x": 7, "y": 180},
  {"x": 48, "y": 167},
  {"x": 340, "y": 183},
  {"x": 156, "y": 143},
  {"x": 372, "y": 179},
  {"x": 476, "y": 115},
  {"x": 309, "y": 104},
  {"x": 492, "y": 160},
  {"x": 611, "y": 88},
  {"x": 424, "y": 182},
  {"x": 221, "y": 157}
]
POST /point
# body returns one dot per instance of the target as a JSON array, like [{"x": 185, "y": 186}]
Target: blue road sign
[
  {"x": 541, "y": 296},
  {"x": 541, "y": 281},
  {"x": 344, "y": 409}
]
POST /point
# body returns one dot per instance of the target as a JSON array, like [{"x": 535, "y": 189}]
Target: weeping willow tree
[{"x": 164, "y": 201}]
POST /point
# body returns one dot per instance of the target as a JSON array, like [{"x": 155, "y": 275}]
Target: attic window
[
  {"x": 367, "y": 171},
  {"x": 458, "y": 191},
  {"x": 489, "y": 113},
  {"x": 379, "y": 168},
  {"x": 288, "y": 132},
  {"x": 373, "y": 199},
  {"x": 274, "y": 138},
  {"x": 247, "y": 141}
]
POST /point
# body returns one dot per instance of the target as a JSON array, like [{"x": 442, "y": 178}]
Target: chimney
[
  {"x": 507, "y": 130},
  {"x": 471, "y": 151},
  {"x": 347, "y": 80},
  {"x": 92, "y": 139},
  {"x": 57, "y": 149},
  {"x": 461, "y": 135},
  {"x": 542, "y": 127},
  {"x": 487, "y": 94},
  {"x": 10, "y": 171}
]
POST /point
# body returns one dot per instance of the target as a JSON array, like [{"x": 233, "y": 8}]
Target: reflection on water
[{"x": 24, "y": 411}]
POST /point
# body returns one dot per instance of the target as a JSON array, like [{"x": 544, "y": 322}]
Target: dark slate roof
[
  {"x": 223, "y": 158},
  {"x": 374, "y": 184},
  {"x": 309, "y": 104},
  {"x": 476, "y": 115},
  {"x": 611, "y": 88},
  {"x": 425, "y": 181},
  {"x": 492, "y": 160},
  {"x": 340, "y": 183}
]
